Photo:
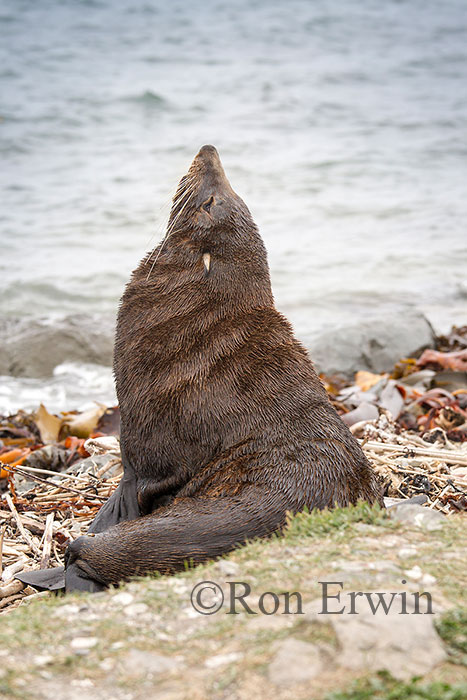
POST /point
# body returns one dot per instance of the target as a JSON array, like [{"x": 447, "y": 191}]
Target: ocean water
[{"x": 342, "y": 125}]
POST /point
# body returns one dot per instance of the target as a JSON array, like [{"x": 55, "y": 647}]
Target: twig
[
  {"x": 13, "y": 569},
  {"x": 451, "y": 456},
  {"x": 36, "y": 470},
  {"x": 11, "y": 588},
  {"x": 5, "y": 602},
  {"x": 111, "y": 463},
  {"x": 48, "y": 532},
  {"x": 439, "y": 496},
  {"x": 59, "y": 487},
  {"x": 2, "y": 535},
  {"x": 20, "y": 525}
]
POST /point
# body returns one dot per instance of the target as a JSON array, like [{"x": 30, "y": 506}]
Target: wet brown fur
[{"x": 223, "y": 416}]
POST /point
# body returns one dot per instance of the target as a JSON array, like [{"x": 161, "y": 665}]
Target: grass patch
[
  {"x": 319, "y": 523},
  {"x": 385, "y": 687},
  {"x": 452, "y": 628},
  {"x": 8, "y": 688}
]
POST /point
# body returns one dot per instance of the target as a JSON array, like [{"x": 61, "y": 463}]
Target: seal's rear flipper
[
  {"x": 122, "y": 505},
  {"x": 76, "y": 580},
  {"x": 189, "y": 531},
  {"x": 44, "y": 579}
]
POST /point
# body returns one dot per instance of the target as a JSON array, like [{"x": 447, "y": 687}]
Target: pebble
[
  {"x": 407, "y": 552},
  {"x": 402, "y": 644},
  {"x": 227, "y": 568},
  {"x": 83, "y": 644},
  {"x": 141, "y": 663},
  {"x": 107, "y": 664},
  {"x": 43, "y": 660},
  {"x": 123, "y": 598},
  {"x": 136, "y": 609},
  {"x": 82, "y": 683},
  {"x": 117, "y": 645},
  {"x": 415, "y": 574},
  {"x": 414, "y": 514},
  {"x": 67, "y": 610},
  {"x": 222, "y": 660}
]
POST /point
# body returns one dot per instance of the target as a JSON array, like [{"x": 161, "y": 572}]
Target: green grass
[
  {"x": 384, "y": 687},
  {"x": 319, "y": 523},
  {"x": 452, "y": 628}
]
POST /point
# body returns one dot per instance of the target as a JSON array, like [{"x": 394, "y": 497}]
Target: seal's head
[
  {"x": 204, "y": 195},
  {"x": 211, "y": 236}
]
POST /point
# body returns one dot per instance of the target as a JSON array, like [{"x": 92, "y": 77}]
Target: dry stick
[
  {"x": 435, "y": 475},
  {"x": 26, "y": 599},
  {"x": 48, "y": 532},
  {"x": 11, "y": 588},
  {"x": 2, "y": 535},
  {"x": 58, "y": 559},
  {"x": 111, "y": 463},
  {"x": 20, "y": 525},
  {"x": 439, "y": 496},
  {"x": 59, "y": 487},
  {"x": 36, "y": 470},
  {"x": 445, "y": 455},
  {"x": 6, "y": 602}
]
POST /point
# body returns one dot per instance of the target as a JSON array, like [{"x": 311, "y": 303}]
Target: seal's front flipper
[{"x": 122, "y": 505}]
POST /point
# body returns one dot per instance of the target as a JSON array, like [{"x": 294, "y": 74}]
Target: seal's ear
[
  {"x": 208, "y": 204},
  {"x": 207, "y": 262}
]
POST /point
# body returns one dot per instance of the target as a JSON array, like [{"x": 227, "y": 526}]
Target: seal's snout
[
  {"x": 214, "y": 187},
  {"x": 208, "y": 158},
  {"x": 208, "y": 152}
]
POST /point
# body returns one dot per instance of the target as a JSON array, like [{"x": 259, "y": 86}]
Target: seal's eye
[{"x": 208, "y": 204}]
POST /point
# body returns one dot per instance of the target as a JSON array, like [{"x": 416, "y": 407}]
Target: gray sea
[{"x": 343, "y": 125}]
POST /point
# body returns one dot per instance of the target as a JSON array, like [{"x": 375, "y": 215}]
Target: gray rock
[
  {"x": 227, "y": 568},
  {"x": 405, "y": 645},
  {"x": 420, "y": 498},
  {"x": 375, "y": 344},
  {"x": 295, "y": 662},
  {"x": 33, "y": 348},
  {"x": 414, "y": 514},
  {"x": 142, "y": 663}
]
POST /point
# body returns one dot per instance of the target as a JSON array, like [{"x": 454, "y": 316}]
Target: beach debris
[
  {"x": 456, "y": 361},
  {"x": 49, "y": 425},
  {"x": 422, "y": 395}
]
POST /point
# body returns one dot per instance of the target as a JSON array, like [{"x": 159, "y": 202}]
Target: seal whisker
[{"x": 170, "y": 232}]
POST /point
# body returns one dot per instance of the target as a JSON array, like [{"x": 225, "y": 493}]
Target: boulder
[
  {"x": 34, "y": 347},
  {"x": 375, "y": 344}
]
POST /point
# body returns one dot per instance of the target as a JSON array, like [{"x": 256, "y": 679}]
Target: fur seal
[{"x": 225, "y": 425}]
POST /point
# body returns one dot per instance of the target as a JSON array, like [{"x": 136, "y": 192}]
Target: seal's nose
[
  {"x": 208, "y": 152},
  {"x": 209, "y": 156}
]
